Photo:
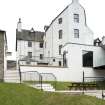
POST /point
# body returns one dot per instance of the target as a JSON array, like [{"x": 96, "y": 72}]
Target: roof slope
[{"x": 29, "y": 36}]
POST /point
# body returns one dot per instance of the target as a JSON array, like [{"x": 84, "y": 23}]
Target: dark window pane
[
  {"x": 87, "y": 57},
  {"x": 29, "y": 44},
  {"x": 60, "y": 47},
  {"x": 60, "y": 20},
  {"x": 41, "y": 45},
  {"x": 76, "y": 18},
  {"x": 60, "y": 63},
  {"x": 60, "y": 34},
  {"x": 76, "y": 33},
  {"x": 30, "y": 54},
  {"x": 41, "y": 56}
]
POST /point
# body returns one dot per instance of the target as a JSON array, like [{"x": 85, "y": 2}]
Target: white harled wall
[
  {"x": 66, "y": 74},
  {"x": 68, "y": 25},
  {"x": 23, "y": 49},
  {"x": 74, "y": 55}
]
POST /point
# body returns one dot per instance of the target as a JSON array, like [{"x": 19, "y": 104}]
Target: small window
[
  {"x": 60, "y": 34},
  {"x": 60, "y": 47},
  {"x": 41, "y": 56},
  {"x": 76, "y": 33},
  {"x": 60, "y": 20},
  {"x": 87, "y": 58},
  {"x": 29, "y": 44},
  {"x": 30, "y": 54},
  {"x": 76, "y": 18},
  {"x": 41, "y": 45},
  {"x": 53, "y": 60},
  {"x": 60, "y": 64},
  {"x": 64, "y": 59}
]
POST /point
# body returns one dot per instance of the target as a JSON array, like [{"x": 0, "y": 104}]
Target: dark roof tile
[{"x": 30, "y": 36}]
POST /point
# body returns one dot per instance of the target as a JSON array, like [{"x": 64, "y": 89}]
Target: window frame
[
  {"x": 30, "y": 56},
  {"x": 84, "y": 65},
  {"x": 60, "y": 33},
  {"x": 76, "y": 18},
  {"x": 60, "y": 20},
  {"x": 41, "y": 44},
  {"x": 60, "y": 63},
  {"x": 60, "y": 47},
  {"x": 41, "y": 56},
  {"x": 76, "y": 33},
  {"x": 29, "y": 43}
]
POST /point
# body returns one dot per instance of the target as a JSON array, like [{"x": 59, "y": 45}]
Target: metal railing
[
  {"x": 39, "y": 59},
  {"x": 99, "y": 81},
  {"x": 49, "y": 78},
  {"x": 31, "y": 77}
]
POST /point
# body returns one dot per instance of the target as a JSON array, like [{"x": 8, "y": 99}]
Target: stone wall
[{"x": 1, "y": 56}]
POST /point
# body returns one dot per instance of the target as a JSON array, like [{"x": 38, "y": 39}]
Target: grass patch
[
  {"x": 64, "y": 85},
  {"x": 56, "y": 85},
  {"x": 19, "y": 94}
]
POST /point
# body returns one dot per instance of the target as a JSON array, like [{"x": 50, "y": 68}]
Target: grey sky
[{"x": 37, "y": 13}]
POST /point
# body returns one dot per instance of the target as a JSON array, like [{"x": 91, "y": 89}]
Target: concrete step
[
  {"x": 45, "y": 87},
  {"x": 11, "y": 76}
]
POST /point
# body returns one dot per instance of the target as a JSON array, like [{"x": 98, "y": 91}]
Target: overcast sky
[{"x": 37, "y": 13}]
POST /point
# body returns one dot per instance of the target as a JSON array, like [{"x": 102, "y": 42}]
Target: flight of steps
[
  {"x": 45, "y": 87},
  {"x": 11, "y": 76}
]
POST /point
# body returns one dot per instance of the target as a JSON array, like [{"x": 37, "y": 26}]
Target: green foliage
[{"x": 19, "y": 94}]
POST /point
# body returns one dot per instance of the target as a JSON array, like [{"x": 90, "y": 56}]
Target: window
[
  {"x": 76, "y": 18},
  {"x": 64, "y": 59},
  {"x": 60, "y": 63},
  {"x": 60, "y": 47},
  {"x": 60, "y": 20},
  {"x": 41, "y": 45},
  {"x": 60, "y": 34},
  {"x": 30, "y": 54},
  {"x": 76, "y": 33},
  {"x": 41, "y": 56},
  {"x": 87, "y": 57},
  {"x": 53, "y": 60},
  {"x": 29, "y": 44}
]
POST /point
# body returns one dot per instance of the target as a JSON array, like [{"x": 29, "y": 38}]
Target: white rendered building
[
  {"x": 29, "y": 45},
  {"x": 69, "y": 47},
  {"x": 69, "y": 26}
]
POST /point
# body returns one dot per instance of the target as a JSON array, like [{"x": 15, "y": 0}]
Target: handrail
[
  {"x": 40, "y": 77},
  {"x": 52, "y": 75},
  {"x": 39, "y": 57}
]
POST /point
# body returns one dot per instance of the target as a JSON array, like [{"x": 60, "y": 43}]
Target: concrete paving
[{"x": 95, "y": 93}]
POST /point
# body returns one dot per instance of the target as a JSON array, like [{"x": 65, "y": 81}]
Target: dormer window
[
  {"x": 60, "y": 20},
  {"x": 76, "y": 18}
]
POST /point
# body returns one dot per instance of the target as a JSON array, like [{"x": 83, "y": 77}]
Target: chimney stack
[
  {"x": 19, "y": 25},
  {"x": 75, "y": 1}
]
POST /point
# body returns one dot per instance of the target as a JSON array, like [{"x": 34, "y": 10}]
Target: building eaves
[{"x": 57, "y": 17}]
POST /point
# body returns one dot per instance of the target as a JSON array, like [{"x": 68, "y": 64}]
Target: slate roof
[{"x": 27, "y": 35}]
